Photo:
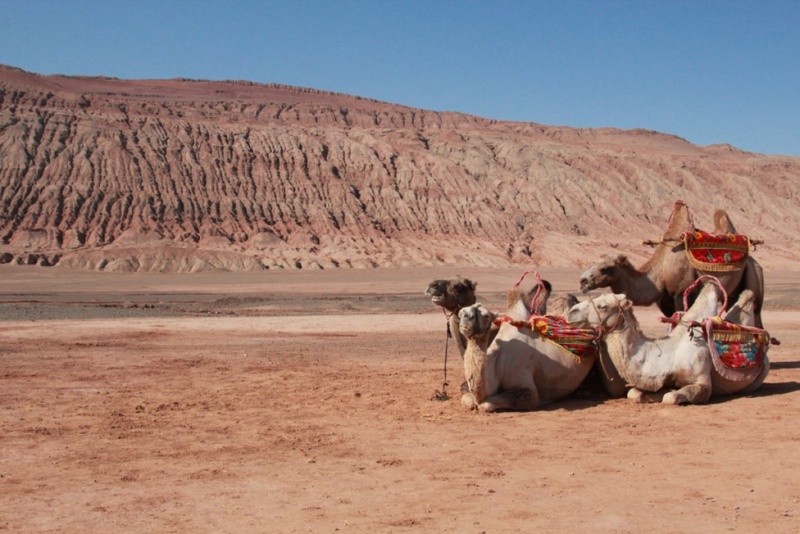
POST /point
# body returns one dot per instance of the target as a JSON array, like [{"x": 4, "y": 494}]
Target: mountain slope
[{"x": 185, "y": 175}]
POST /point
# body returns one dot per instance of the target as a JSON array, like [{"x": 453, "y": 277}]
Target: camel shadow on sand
[
  {"x": 784, "y": 365},
  {"x": 591, "y": 397},
  {"x": 774, "y": 388},
  {"x": 577, "y": 402}
]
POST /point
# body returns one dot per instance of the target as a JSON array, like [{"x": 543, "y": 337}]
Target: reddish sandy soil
[{"x": 302, "y": 402}]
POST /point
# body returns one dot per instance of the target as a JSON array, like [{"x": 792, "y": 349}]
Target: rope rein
[
  {"x": 441, "y": 395},
  {"x": 535, "y": 301}
]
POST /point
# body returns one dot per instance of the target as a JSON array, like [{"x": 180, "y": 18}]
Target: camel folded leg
[
  {"x": 520, "y": 399},
  {"x": 645, "y": 397},
  {"x": 468, "y": 400},
  {"x": 691, "y": 394}
]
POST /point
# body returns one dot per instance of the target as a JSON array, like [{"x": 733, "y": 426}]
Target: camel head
[
  {"x": 599, "y": 310},
  {"x": 561, "y": 304},
  {"x": 706, "y": 304},
  {"x": 452, "y": 294},
  {"x": 475, "y": 321},
  {"x": 603, "y": 273},
  {"x": 516, "y": 299}
]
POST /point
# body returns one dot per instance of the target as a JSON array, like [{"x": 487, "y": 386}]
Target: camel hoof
[
  {"x": 636, "y": 396},
  {"x": 488, "y": 407},
  {"x": 468, "y": 402},
  {"x": 671, "y": 398}
]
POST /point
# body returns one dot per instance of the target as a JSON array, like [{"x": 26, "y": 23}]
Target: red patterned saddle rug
[
  {"x": 737, "y": 351},
  {"x": 580, "y": 342},
  {"x": 716, "y": 252}
]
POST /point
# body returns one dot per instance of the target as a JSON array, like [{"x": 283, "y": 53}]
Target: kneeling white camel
[
  {"x": 681, "y": 360},
  {"x": 518, "y": 369}
]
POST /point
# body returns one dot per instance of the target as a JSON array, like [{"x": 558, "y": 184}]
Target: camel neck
[{"x": 639, "y": 285}]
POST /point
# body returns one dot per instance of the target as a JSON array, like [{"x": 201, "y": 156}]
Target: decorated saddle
[
  {"x": 716, "y": 252},
  {"x": 737, "y": 351},
  {"x": 580, "y": 342}
]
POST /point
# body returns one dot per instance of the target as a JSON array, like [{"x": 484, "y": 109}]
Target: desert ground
[{"x": 304, "y": 402}]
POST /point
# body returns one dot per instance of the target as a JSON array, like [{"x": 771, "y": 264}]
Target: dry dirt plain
[{"x": 302, "y": 402}]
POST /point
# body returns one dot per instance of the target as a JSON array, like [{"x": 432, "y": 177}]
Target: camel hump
[
  {"x": 723, "y": 224},
  {"x": 680, "y": 221}
]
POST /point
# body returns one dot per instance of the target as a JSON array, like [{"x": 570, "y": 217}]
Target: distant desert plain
[{"x": 305, "y": 402}]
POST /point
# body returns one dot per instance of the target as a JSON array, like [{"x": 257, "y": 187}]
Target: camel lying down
[
  {"x": 516, "y": 369},
  {"x": 680, "y": 361},
  {"x": 458, "y": 294}
]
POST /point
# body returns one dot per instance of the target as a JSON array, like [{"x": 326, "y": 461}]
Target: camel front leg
[
  {"x": 691, "y": 394},
  {"x": 468, "y": 400},
  {"x": 518, "y": 400},
  {"x": 641, "y": 397}
]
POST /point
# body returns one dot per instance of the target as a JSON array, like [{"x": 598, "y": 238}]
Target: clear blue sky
[{"x": 710, "y": 71}]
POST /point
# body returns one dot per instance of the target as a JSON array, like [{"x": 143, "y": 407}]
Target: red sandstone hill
[{"x": 188, "y": 175}]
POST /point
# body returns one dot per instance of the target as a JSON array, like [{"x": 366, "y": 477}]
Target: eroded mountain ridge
[{"x": 188, "y": 175}]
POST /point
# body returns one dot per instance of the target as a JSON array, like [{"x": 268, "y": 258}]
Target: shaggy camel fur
[
  {"x": 666, "y": 275},
  {"x": 679, "y": 360},
  {"x": 518, "y": 369},
  {"x": 477, "y": 327}
]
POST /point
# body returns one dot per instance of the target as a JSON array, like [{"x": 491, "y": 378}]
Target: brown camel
[
  {"x": 665, "y": 276},
  {"x": 452, "y": 295}
]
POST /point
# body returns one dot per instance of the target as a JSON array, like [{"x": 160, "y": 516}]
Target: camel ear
[
  {"x": 625, "y": 303},
  {"x": 680, "y": 221},
  {"x": 573, "y": 314},
  {"x": 722, "y": 223}
]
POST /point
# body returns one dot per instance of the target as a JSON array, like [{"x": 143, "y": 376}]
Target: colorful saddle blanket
[
  {"x": 716, "y": 252},
  {"x": 579, "y": 341},
  {"x": 737, "y": 351},
  {"x": 737, "y": 346}
]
